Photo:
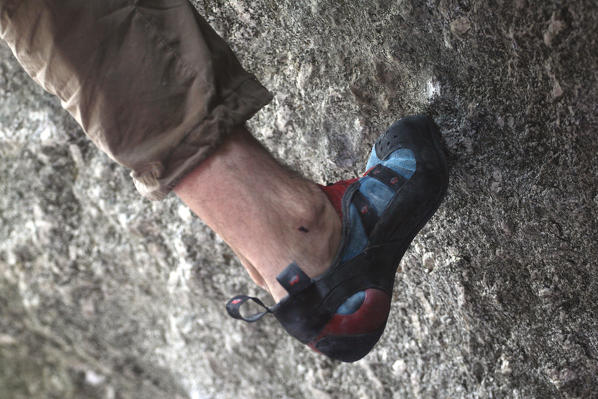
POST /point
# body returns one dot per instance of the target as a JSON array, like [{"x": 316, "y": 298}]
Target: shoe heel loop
[{"x": 233, "y": 307}]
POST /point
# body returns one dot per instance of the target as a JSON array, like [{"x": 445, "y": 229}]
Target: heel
[
  {"x": 349, "y": 337},
  {"x": 348, "y": 348}
]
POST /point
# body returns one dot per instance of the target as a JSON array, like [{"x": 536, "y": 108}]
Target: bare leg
[{"x": 267, "y": 214}]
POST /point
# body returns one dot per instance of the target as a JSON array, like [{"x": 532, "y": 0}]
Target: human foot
[{"x": 343, "y": 312}]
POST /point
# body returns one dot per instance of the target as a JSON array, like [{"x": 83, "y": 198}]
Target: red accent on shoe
[
  {"x": 236, "y": 301},
  {"x": 370, "y": 316},
  {"x": 294, "y": 280},
  {"x": 394, "y": 180},
  {"x": 335, "y": 193},
  {"x": 364, "y": 210}
]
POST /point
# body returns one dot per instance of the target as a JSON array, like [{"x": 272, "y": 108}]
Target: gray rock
[{"x": 106, "y": 295}]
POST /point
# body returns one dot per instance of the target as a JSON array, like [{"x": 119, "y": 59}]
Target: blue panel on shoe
[
  {"x": 378, "y": 193},
  {"x": 401, "y": 161},
  {"x": 357, "y": 239},
  {"x": 352, "y": 303},
  {"x": 373, "y": 161},
  {"x": 403, "y": 166}
]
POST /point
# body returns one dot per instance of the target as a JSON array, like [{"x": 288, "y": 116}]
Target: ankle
[
  {"x": 314, "y": 213},
  {"x": 267, "y": 214},
  {"x": 315, "y": 238}
]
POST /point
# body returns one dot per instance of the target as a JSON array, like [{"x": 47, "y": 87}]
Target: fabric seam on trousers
[
  {"x": 163, "y": 41},
  {"x": 10, "y": 7}
]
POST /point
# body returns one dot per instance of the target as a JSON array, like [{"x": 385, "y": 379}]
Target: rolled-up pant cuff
[
  {"x": 150, "y": 83},
  {"x": 161, "y": 177}
]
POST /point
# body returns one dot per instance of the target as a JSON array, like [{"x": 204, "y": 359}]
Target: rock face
[{"x": 106, "y": 295}]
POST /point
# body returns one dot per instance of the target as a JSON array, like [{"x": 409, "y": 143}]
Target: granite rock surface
[{"x": 105, "y": 295}]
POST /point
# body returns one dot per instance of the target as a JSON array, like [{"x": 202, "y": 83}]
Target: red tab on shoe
[
  {"x": 293, "y": 279},
  {"x": 335, "y": 193}
]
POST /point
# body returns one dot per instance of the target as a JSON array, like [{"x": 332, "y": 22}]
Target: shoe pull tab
[
  {"x": 233, "y": 307},
  {"x": 293, "y": 279}
]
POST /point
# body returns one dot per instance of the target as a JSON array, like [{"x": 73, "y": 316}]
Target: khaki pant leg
[{"x": 148, "y": 80}]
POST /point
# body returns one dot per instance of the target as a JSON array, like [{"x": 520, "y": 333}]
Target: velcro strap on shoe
[
  {"x": 366, "y": 212},
  {"x": 293, "y": 279},
  {"x": 387, "y": 176},
  {"x": 233, "y": 307}
]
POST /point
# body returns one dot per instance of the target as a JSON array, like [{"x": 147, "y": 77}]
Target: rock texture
[{"x": 106, "y": 295}]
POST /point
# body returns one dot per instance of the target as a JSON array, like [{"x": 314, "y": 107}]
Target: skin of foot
[{"x": 269, "y": 215}]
